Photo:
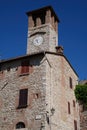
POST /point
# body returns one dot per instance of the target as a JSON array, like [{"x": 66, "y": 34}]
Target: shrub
[{"x": 81, "y": 94}]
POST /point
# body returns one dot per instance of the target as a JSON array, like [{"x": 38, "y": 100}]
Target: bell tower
[{"x": 42, "y": 30}]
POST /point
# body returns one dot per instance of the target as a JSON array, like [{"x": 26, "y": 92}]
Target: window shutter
[
  {"x": 25, "y": 67},
  {"x": 23, "y": 94}
]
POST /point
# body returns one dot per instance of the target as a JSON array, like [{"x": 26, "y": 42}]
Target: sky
[{"x": 72, "y": 29}]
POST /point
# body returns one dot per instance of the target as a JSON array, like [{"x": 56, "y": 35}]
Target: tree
[{"x": 81, "y": 94}]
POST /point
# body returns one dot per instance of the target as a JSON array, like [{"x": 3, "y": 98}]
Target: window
[
  {"x": 24, "y": 67},
  {"x": 73, "y": 103},
  {"x": 75, "y": 125},
  {"x": 36, "y": 95},
  {"x": 70, "y": 82},
  {"x": 23, "y": 95},
  {"x": 40, "y": 15},
  {"x": 69, "y": 108},
  {"x": 20, "y": 125}
]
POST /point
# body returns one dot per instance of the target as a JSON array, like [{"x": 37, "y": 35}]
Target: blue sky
[{"x": 72, "y": 29}]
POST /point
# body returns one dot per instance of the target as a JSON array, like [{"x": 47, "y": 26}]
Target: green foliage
[{"x": 81, "y": 93}]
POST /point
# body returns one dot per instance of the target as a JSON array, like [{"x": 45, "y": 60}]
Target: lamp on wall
[{"x": 42, "y": 125}]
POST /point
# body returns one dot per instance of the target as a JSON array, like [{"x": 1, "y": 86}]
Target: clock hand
[{"x": 37, "y": 40}]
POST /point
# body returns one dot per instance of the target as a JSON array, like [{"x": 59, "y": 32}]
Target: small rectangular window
[
  {"x": 75, "y": 125},
  {"x": 74, "y": 103},
  {"x": 24, "y": 67},
  {"x": 23, "y": 96},
  {"x": 70, "y": 82},
  {"x": 69, "y": 108}
]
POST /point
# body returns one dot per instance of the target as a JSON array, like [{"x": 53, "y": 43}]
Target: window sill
[
  {"x": 22, "y": 129},
  {"x": 21, "y": 107},
  {"x": 23, "y": 74}
]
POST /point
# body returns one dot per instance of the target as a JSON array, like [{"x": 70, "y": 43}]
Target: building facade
[
  {"x": 37, "y": 89},
  {"x": 83, "y": 110}
]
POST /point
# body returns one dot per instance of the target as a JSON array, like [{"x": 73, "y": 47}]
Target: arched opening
[
  {"x": 85, "y": 83},
  {"x": 20, "y": 125}
]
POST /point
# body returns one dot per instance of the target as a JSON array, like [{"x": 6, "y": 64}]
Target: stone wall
[
  {"x": 83, "y": 120},
  {"x": 50, "y": 39},
  {"x": 59, "y": 93},
  {"x": 48, "y": 89},
  {"x": 11, "y": 83}
]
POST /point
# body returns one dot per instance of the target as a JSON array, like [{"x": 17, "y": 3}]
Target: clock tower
[{"x": 42, "y": 30}]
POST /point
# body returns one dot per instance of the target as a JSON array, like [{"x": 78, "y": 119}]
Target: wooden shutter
[
  {"x": 25, "y": 67},
  {"x": 75, "y": 125},
  {"x": 69, "y": 108},
  {"x": 70, "y": 82},
  {"x": 23, "y": 94}
]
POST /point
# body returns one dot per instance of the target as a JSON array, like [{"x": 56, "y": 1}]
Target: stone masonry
[
  {"x": 50, "y": 80},
  {"x": 10, "y": 85},
  {"x": 83, "y": 120},
  {"x": 37, "y": 89}
]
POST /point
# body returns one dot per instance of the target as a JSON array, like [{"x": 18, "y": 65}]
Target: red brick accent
[
  {"x": 38, "y": 21},
  {"x": 48, "y": 16},
  {"x": 2, "y": 74},
  {"x": 53, "y": 21},
  {"x": 30, "y": 21}
]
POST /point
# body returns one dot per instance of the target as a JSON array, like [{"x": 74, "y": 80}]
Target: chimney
[{"x": 59, "y": 49}]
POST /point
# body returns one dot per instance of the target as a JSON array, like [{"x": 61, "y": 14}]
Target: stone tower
[
  {"x": 37, "y": 89},
  {"x": 42, "y": 30}
]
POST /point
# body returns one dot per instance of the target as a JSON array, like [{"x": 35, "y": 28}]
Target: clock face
[{"x": 38, "y": 40}]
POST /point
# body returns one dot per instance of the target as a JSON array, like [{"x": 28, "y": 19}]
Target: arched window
[{"x": 20, "y": 125}]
